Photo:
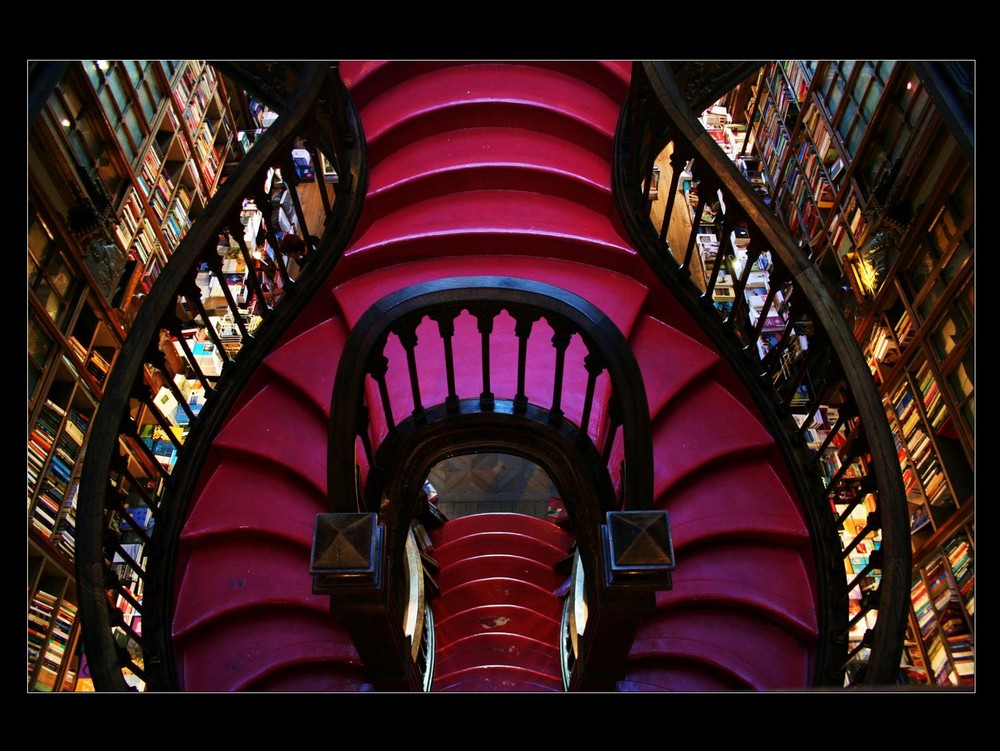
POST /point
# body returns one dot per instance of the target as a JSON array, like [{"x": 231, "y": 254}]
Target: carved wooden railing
[
  {"x": 813, "y": 361},
  {"x": 397, "y": 410},
  {"x": 132, "y": 497}
]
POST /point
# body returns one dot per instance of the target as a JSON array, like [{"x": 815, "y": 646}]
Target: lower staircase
[
  {"x": 503, "y": 170},
  {"x": 497, "y": 617}
]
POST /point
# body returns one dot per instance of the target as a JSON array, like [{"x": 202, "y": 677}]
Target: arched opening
[{"x": 491, "y": 482}]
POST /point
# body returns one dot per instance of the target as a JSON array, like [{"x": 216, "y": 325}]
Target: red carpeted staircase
[
  {"x": 504, "y": 170},
  {"x": 497, "y": 616}
]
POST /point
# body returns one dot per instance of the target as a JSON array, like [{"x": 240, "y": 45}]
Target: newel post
[
  {"x": 636, "y": 560},
  {"x": 349, "y": 563}
]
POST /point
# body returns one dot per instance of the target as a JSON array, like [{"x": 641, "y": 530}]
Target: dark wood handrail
[
  {"x": 484, "y": 296},
  {"x": 96, "y": 583},
  {"x": 666, "y": 118}
]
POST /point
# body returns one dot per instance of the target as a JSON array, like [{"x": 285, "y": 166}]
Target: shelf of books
[
  {"x": 803, "y": 164},
  {"x": 943, "y": 601},
  {"x": 777, "y": 113},
  {"x": 52, "y": 625},
  {"x": 176, "y": 174},
  {"x": 56, "y": 441},
  {"x": 54, "y": 448}
]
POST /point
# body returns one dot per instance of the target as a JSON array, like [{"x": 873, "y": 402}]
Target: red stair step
[
  {"x": 677, "y": 676},
  {"x": 233, "y": 654},
  {"x": 498, "y": 678},
  {"x": 455, "y": 97},
  {"x": 753, "y": 651},
  {"x": 487, "y": 222},
  {"x": 497, "y": 617},
  {"x": 309, "y": 361},
  {"x": 239, "y": 499},
  {"x": 493, "y": 591},
  {"x": 235, "y": 575},
  {"x": 310, "y": 678},
  {"x": 705, "y": 429},
  {"x": 767, "y": 580},
  {"x": 510, "y": 566},
  {"x": 502, "y": 522},
  {"x": 670, "y": 361},
  {"x": 282, "y": 429},
  {"x": 367, "y": 78},
  {"x": 510, "y": 543},
  {"x": 738, "y": 501},
  {"x": 494, "y": 649},
  {"x": 517, "y": 159}
]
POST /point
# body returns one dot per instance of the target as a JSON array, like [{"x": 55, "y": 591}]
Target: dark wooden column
[
  {"x": 637, "y": 560},
  {"x": 349, "y": 564}
]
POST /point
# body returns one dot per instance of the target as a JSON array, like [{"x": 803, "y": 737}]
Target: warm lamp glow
[{"x": 867, "y": 276}]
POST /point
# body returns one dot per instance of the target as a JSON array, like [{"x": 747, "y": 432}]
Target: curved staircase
[
  {"x": 496, "y": 620},
  {"x": 503, "y": 170}
]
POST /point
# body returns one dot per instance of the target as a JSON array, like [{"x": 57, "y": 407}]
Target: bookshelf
[
  {"x": 192, "y": 136},
  {"x": 52, "y": 631},
  {"x": 874, "y": 182},
  {"x": 942, "y": 625},
  {"x": 123, "y": 157}
]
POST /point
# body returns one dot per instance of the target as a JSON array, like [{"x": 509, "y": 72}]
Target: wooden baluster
[
  {"x": 523, "y": 323},
  {"x": 446, "y": 327},
  {"x": 595, "y": 366},
  {"x": 841, "y": 419},
  {"x": 192, "y": 294},
  {"x": 378, "y": 365},
  {"x": 119, "y": 465},
  {"x": 407, "y": 333},
  {"x": 740, "y": 300},
  {"x": 129, "y": 429},
  {"x": 263, "y": 202},
  {"x": 798, "y": 376},
  {"x": 176, "y": 329},
  {"x": 676, "y": 167},
  {"x": 214, "y": 261},
  {"x": 156, "y": 358},
  {"x": 638, "y": 116},
  {"x": 776, "y": 280},
  {"x": 772, "y": 360},
  {"x": 361, "y": 430},
  {"x": 300, "y": 215},
  {"x": 343, "y": 140},
  {"x": 647, "y": 170},
  {"x": 615, "y": 422},
  {"x": 484, "y": 318},
  {"x": 695, "y": 227},
  {"x": 560, "y": 340},
  {"x": 724, "y": 251},
  {"x": 251, "y": 266}
]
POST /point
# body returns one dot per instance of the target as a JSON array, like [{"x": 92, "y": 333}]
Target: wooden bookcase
[
  {"x": 135, "y": 148},
  {"x": 866, "y": 173},
  {"x": 53, "y": 632},
  {"x": 942, "y": 624}
]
